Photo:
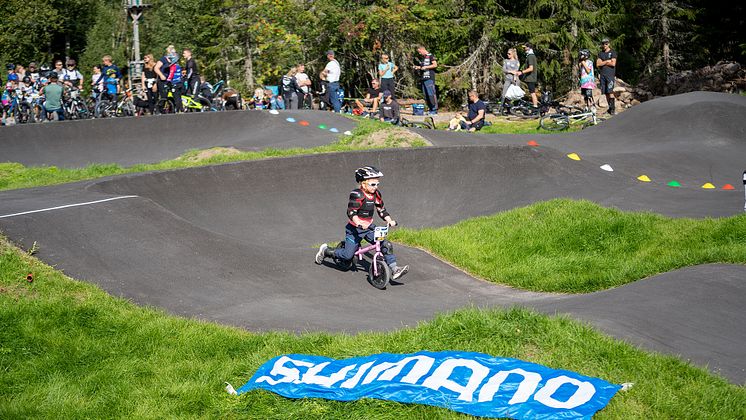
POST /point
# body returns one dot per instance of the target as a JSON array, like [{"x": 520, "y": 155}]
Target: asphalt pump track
[{"x": 234, "y": 243}]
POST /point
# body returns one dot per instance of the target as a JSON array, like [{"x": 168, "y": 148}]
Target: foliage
[{"x": 254, "y": 42}]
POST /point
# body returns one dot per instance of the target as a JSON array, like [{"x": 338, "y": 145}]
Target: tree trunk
[
  {"x": 249, "y": 68},
  {"x": 665, "y": 27}
]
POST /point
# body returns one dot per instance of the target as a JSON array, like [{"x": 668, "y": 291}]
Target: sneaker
[
  {"x": 432, "y": 113},
  {"x": 320, "y": 254},
  {"x": 399, "y": 271}
]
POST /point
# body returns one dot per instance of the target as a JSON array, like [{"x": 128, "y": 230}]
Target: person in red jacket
[{"x": 364, "y": 202}]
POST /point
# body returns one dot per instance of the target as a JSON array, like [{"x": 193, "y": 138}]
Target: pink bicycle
[{"x": 379, "y": 272}]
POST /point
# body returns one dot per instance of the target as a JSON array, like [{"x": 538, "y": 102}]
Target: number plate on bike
[{"x": 380, "y": 233}]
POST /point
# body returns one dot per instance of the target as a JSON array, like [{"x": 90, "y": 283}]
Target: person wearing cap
[
  {"x": 390, "y": 109},
  {"x": 372, "y": 98},
  {"x": 332, "y": 73},
  {"x": 53, "y": 98},
  {"x": 606, "y": 63},
  {"x": 530, "y": 73}
]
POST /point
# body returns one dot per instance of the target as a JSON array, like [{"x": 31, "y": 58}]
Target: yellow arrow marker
[
  {"x": 574, "y": 156},
  {"x": 643, "y": 178},
  {"x": 708, "y": 186}
]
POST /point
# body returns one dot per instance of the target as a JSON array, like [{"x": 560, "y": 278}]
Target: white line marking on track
[{"x": 68, "y": 206}]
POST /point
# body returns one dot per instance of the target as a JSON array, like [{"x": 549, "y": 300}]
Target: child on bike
[
  {"x": 360, "y": 209},
  {"x": 587, "y": 79}
]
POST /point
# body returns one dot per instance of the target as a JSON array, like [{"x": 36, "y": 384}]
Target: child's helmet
[
  {"x": 367, "y": 172},
  {"x": 584, "y": 54},
  {"x": 111, "y": 72},
  {"x": 10, "y": 66}
]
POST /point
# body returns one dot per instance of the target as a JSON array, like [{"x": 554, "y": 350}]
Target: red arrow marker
[
  {"x": 532, "y": 143},
  {"x": 728, "y": 187},
  {"x": 303, "y": 123}
]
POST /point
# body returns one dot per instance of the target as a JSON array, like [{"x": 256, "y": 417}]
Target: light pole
[{"x": 134, "y": 9}]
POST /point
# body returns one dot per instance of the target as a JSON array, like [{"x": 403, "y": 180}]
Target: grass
[
  {"x": 69, "y": 350},
  {"x": 578, "y": 246},
  {"x": 16, "y": 175},
  {"x": 502, "y": 125}
]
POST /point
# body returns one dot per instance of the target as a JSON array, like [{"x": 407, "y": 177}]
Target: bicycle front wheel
[
  {"x": 554, "y": 122},
  {"x": 103, "y": 110},
  {"x": 379, "y": 273}
]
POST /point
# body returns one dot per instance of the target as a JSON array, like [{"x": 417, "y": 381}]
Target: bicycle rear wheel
[
  {"x": 381, "y": 279},
  {"x": 165, "y": 106},
  {"x": 554, "y": 122},
  {"x": 104, "y": 109}
]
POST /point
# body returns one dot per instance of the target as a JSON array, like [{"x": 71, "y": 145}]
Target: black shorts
[
  {"x": 587, "y": 93},
  {"x": 607, "y": 84},
  {"x": 531, "y": 87}
]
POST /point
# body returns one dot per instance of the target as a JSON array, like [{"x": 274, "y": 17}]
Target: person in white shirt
[
  {"x": 332, "y": 72},
  {"x": 304, "y": 84}
]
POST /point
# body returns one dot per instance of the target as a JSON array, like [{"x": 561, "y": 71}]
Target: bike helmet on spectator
[
  {"x": 10, "y": 66},
  {"x": 367, "y": 172},
  {"x": 27, "y": 80},
  {"x": 13, "y": 77},
  {"x": 584, "y": 54}
]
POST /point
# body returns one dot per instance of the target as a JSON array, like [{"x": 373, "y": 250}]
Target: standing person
[
  {"x": 606, "y": 63},
  {"x": 109, "y": 64},
  {"x": 192, "y": 73},
  {"x": 510, "y": 69},
  {"x": 163, "y": 69},
  {"x": 427, "y": 68},
  {"x": 290, "y": 89},
  {"x": 386, "y": 71},
  {"x": 59, "y": 68},
  {"x": 33, "y": 71},
  {"x": 332, "y": 73},
  {"x": 148, "y": 82},
  {"x": 53, "y": 98},
  {"x": 477, "y": 111},
  {"x": 20, "y": 71},
  {"x": 304, "y": 86},
  {"x": 587, "y": 78},
  {"x": 530, "y": 73},
  {"x": 71, "y": 76},
  {"x": 390, "y": 109},
  {"x": 363, "y": 203}
]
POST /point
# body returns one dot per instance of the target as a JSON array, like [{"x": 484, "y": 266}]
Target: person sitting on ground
[
  {"x": 53, "y": 98},
  {"x": 362, "y": 203},
  {"x": 372, "y": 99},
  {"x": 390, "y": 109},
  {"x": 259, "y": 100},
  {"x": 587, "y": 79},
  {"x": 205, "y": 88},
  {"x": 477, "y": 111}
]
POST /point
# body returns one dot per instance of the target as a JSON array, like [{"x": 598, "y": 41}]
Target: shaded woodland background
[{"x": 254, "y": 42}]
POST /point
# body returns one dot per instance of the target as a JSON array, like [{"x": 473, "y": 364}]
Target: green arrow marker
[{"x": 674, "y": 184}]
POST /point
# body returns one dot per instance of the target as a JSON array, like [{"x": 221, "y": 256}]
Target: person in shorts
[
  {"x": 372, "y": 99},
  {"x": 606, "y": 63},
  {"x": 530, "y": 73},
  {"x": 587, "y": 78}
]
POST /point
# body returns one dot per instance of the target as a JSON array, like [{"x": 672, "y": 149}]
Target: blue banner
[{"x": 471, "y": 383}]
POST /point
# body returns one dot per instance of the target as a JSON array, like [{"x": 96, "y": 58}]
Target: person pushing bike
[{"x": 363, "y": 202}]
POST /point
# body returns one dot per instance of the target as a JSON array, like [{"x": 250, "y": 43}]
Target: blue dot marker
[
  {"x": 334, "y": 130},
  {"x": 290, "y": 119}
]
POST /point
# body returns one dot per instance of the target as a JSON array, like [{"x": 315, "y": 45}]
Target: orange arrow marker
[
  {"x": 533, "y": 143},
  {"x": 728, "y": 187}
]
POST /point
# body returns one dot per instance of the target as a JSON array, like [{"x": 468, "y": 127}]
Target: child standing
[{"x": 587, "y": 79}]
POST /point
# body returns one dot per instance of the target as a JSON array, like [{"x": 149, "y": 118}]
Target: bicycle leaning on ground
[
  {"x": 568, "y": 116},
  {"x": 379, "y": 273}
]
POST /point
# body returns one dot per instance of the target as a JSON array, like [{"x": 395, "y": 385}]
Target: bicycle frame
[{"x": 375, "y": 245}]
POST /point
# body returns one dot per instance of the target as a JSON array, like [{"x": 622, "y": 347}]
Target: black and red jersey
[{"x": 363, "y": 205}]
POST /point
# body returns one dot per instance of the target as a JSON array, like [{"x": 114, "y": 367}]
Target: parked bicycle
[
  {"x": 569, "y": 116},
  {"x": 74, "y": 107}
]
